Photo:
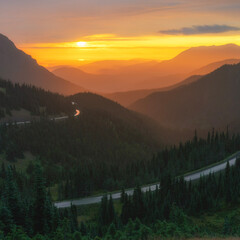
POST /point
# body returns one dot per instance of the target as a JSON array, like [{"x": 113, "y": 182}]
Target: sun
[{"x": 81, "y": 44}]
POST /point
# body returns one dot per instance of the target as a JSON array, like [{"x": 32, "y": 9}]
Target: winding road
[
  {"x": 76, "y": 114},
  {"x": 117, "y": 195}
]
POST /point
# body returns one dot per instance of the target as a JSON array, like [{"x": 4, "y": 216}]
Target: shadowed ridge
[
  {"x": 212, "y": 101},
  {"x": 19, "y": 67}
]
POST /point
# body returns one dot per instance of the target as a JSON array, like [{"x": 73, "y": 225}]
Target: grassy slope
[
  {"x": 20, "y": 164},
  {"x": 3, "y": 90}
]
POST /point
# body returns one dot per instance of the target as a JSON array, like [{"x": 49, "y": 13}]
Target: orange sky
[
  {"x": 106, "y": 47},
  {"x": 113, "y": 29}
]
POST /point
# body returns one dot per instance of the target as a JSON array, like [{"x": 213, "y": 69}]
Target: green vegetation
[
  {"x": 32, "y": 99},
  {"x": 107, "y": 148},
  {"x": 3, "y": 90},
  {"x": 100, "y": 152},
  {"x": 177, "y": 210},
  {"x": 21, "y": 164},
  {"x": 96, "y": 150}
]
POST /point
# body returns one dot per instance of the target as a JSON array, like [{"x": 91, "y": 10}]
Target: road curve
[
  {"x": 77, "y": 113},
  {"x": 117, "y": 195}
]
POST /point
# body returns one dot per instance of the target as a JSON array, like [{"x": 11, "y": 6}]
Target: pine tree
[
  {"x": 122, "y": 195},
  {"x": 6, "y": 220},
  {"x": 13, "y": 200},
  {"x": 40, "y": 202},
  {"x": 227, "y": 184},
  {"x": 111, "y": 210},
  {"x": 73, "y": 218},
  {"x": 103, "y": 212}
]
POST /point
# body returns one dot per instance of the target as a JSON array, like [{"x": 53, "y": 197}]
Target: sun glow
[
  {"x": 113, "y": 47},
  {"x": 81, "y": 44}
]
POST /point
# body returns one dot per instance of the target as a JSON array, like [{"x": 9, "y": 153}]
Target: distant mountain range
[
  {"x": 93, "y": 82},
  {"x": 211, "y": 101},
  {"x": 184, "y": 63},
  {"x": 213, "y": 66},
  {"x": 128, "y": 98},
  {"x": 120, "y": 76},
  {"x": 110, "y": 66},
  {"x": 19, "y": 67}
]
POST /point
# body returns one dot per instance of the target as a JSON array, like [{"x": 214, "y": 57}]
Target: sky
[{"x": 72, "y": 32}]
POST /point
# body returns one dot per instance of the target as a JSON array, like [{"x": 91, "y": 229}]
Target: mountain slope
[
  {"x": 94, "y": 151},
  {"x": 120, "y": 76},
  {"x": 108, "y": 83},
  {"x": 94, "y": 82},
  {"x": 22, "y": 102},
  {"x": 197, "y": 57},
  {"x": 212, "y": 101},
  {"x": 128, "y": 98},
  {"x": 19, "y": 67},
  {"x": 213, "y": 66}
]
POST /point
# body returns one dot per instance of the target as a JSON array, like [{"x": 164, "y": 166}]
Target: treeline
[
  {"x": 14, "y": 96},
  {"x": 27, "y": 213},
  {"x": 80, "y": 155},
  {"x": 167, "y": 211},
  {"x": 26, "y": 206},
  {"x": 209, "y": 193},
  {"x": 100, "y": 152},
  {"x": 194, "y": 154}
]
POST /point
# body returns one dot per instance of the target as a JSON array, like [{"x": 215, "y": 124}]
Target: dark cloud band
[{"x": 200, "y": 29}]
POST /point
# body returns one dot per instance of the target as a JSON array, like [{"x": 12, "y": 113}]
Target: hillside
[
  {"x": 98, "y": 148},
  {"x": 213, "y": 66},
  {"x": 212, "y": 101},
  {"x": 128, "y": 98},
  {"x": 22, "y": 68},
  {"x": 197, "y": 57},
  {"x": 24, "y": 102},
  {"x": 143, "y": 125}
]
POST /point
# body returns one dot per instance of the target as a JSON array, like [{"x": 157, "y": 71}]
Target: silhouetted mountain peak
[
  {"x": 19, "y": 67},
  {"x": 10, "y": 53},
  {"x": 5, "y": 42}
]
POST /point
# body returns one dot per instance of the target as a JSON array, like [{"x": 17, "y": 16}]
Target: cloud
[{"x": 200, "y": 29}]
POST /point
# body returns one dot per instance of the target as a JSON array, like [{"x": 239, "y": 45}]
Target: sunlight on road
[{"x": 77, "y": 113}]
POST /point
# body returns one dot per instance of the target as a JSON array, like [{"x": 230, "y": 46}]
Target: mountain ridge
[
  {"x": 148, "y": 74},
  {"x": 212, "y": 101},
  {"x": 20, "y": 67}
]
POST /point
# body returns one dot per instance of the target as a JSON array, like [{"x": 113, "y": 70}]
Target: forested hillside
[
  {"x": 93, "y": 152},
  {"x": 37, "y": 101},
  {"x": 82, "y": 155},
  {"x": 173, "y": 210},
  {"x": 211, "y": 101},
  {"x": 107, "y": 147}
]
